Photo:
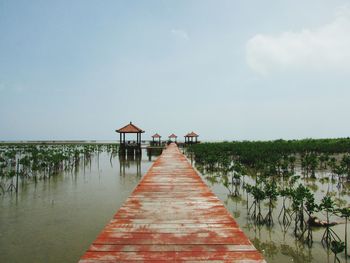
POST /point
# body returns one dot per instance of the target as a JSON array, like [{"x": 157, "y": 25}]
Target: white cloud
[
  {"x": 180, "y": 34},
  {"x": 321, "y": 49}
]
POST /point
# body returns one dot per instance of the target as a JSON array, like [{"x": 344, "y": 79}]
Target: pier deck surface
[{"x": 173, "y": 216}]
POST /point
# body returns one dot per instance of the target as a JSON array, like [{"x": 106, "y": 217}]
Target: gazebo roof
[
  {"x": 156, "y": 136},
  {"x": 172, "y": 136},
  {"x": 191, "y": 134},
  {"x": 130, "y": 128}
]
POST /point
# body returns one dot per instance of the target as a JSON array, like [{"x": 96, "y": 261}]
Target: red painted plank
[
  {"x": 232, "y": 256},
  {"x": 155, "y": 248},
  {"x": 172, "y": 215}
]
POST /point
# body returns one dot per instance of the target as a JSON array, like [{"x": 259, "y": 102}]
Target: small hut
[
  {"x": 154, "y": 137},
  {"x": 130, "y": 146},
  {"x": 191, "y": 138},
  {"x": 171, "y": 137}
]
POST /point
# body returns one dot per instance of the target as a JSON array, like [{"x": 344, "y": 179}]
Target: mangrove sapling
[
  {"x": 303, "y": 163},
  {"x": 312, "y": 163},
  {"x": 11, "y": 157},
  {"x": 271, "y": 194},
  {"x": 285, "y": 193},
  {"x": 284, "y": 166},
  {"x": 310, "y": 208},
  {"x": 258, "y": 196},
  {"x": 226, "y": 182},
  {"x": 247, "y": 188},
  {"x": 324, "y": 158},
  {"x": 224, "y": 164},
  {"x": 239, "y": 172},
  {"x": 345, "y": 213},
  {"x": 332, "y": 162},
  {"x": 12, "y": 186},
  {"x": 327, "y": 205},
  {"x": 293, "y": 180},
  {"x": 337, "y": 247},
  {"x": 2, "y": 167},
  {"x": 345, "y": 164},
  {"x": 292, "y": 159},
  {"x": 25, "y": 163},
  {"x": 298, "y": 199},
  {"x": 2, "y": 187},
  {"x": 236, "y": 181},
  {"x": 339, "y": 171}
]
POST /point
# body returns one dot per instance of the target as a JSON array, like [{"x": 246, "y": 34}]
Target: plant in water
[
  {"x": 324, "y": 158},
  {"x": 292, "y": 160},
  {"x": 345, "y": 213},
  {"x": 337, "y": 247},
  {"x": 298, "y": 200},
  {"x": 327, "y": 205},
  {"x": 345, "y": 163},
  {"x": 236, "y": 181},
  {"x": 286, "y": 193},
  {"x": 226, "y": 182},
  {"x": 271, "y": 194},
  {"x": 258, "y": 195},
  {"x": 284, "y": 216},
  {"x": 310, "y": 208},
  {"x": 309, "y": 164}
]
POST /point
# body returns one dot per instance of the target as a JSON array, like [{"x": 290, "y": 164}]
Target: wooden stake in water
[{"x": 17, "y": 171}]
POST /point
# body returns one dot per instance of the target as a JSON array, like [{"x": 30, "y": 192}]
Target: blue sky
[{"x": 229, "y": 70}]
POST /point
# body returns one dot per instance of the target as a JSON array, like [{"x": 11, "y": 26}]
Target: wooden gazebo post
[
  {"x": 189, "y": 138},
  {"x": 130, "y": 128},
  {"x": 172, "y": 136},
  {"x": 156, "y": 136}
]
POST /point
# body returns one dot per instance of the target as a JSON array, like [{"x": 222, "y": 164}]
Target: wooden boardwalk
[{"x": 172, "y": 216}]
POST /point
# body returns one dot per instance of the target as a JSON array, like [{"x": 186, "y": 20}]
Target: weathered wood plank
[
  {"x": 233, "y": 256},
  {"x": 172, "y": 216},
  {"x": 155, "y": 248}
]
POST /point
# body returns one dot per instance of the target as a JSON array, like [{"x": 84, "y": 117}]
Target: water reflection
[
  {"x": 277, "y": 241},
  {"x": 153, "y": 153},
  {"x": 298, "y": 253},
  {"x": 66, "y": 211},
  {"x": 126, "y": 161}
]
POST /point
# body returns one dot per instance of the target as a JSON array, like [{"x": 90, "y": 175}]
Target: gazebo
[
  {"x": 156, "y": 136},
  {"x": 172, "y": 136},
  {"x": 130, "y": 128},
  {"x": 191, "y": 138}
]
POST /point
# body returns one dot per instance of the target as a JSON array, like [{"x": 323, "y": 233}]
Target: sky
[{"x": 228, "y": 70}]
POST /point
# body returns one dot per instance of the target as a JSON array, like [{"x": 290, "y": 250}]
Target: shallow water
[
  {"x": 276, "y": 243},
  {"x": 56, "y": 220}
]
